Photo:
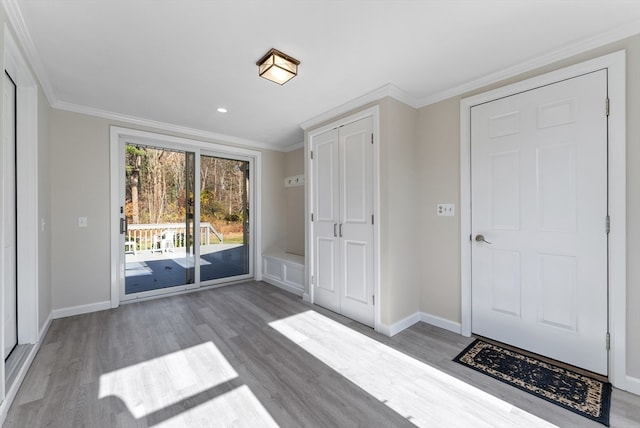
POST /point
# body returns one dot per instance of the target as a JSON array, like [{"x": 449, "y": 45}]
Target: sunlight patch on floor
[
  {"x": 160, "y": 382},
  {"x": 236, "y": 408},
  {"x": 424, "y": 395}
]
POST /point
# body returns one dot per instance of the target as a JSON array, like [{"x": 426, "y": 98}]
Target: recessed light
[{"x": 222, "y": 110}]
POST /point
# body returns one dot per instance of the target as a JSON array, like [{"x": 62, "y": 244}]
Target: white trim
[
  {"x": 403, "y": 324},
  {"x": 615, "y": 63},
  {"x": 119, "y": 134},
  {"x": 27, "y": 181},
  {"x": 163, "y": 126},
  {"x": 293, "y": 147},
  {"x": 286, "y": 264},
  {"x": 27, "y": 204},
  {"x": 282, "y": 285},
  {"x": 388, "y": 90},
  {"x": 14, "y": 16},
  {"x": 45, "y": 328},
  {"x": 22, "y": 373},
  {"x": 440, "y": 322},
  {"x": 434, "y": 320},
  {"x": 374, "y": 113},
  {"x": 633, "y": 385},
  {"x": 80, "y": 309},
  {"x": 618, "y": 33}
]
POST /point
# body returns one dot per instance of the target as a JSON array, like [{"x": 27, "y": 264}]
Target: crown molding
[
  {"x": 619, "y": 33},
  {"x": 16, "y": 20},
  {"x": 388, "y": 90},
  {"x": 181, "y": 130},
  {"x": 293, "y": 147}
]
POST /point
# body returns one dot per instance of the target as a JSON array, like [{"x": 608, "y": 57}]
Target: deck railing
[{"x": 148, "y": 236}]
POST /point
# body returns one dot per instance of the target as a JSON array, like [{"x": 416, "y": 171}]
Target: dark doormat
[{"x": 581, "y": 394}]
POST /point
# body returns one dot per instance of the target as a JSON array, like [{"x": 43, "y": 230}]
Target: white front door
[
  {"x": 539, "y": 213},
  {"x": 343, "y": 224},
  {"x": 9, "y": 217}
]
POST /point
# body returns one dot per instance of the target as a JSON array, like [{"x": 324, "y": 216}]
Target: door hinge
[
  {"x": 311, "y": 154},
  {"x": 608, "y": 226},
  {"x": 608, "y": 341},
  {"x": 311, "y": 216},
  {"x": 607, "y": 106}
]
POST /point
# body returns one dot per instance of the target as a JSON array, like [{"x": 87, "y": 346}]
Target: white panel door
[
  {"x": 342, "y": 224},
  {"x": 9, "y": 217},
  {"x": 326, "y": 201},
  {"x": 355, "y": 228},
  {"x": 539, "y": 200}
]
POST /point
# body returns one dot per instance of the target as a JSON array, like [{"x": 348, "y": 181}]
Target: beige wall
[
  {"x": 399, "y": 221},
  {"x": 438, "y": 157},
  {"x": 439, "y": 146},
  {"x": 294, "y": 198},
  {"x": 80, "y": 176}
]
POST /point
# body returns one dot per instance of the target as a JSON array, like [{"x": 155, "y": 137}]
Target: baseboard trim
[
  {"x": 81, "y": 309},
  {"x": 443, "y": 323},
  {"x": 45, "y": 327},
  {"x": 403, "y": 324},
  {"x": 283, "y": 285},
  {"x": 12, "y": 392},
  {"x": 306, "y": 297},
  {"x": 397, "y": 327},
  {"x": 633, "y": 385}
]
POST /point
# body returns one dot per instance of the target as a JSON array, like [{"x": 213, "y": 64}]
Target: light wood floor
[{"x": 252, "y": 355}]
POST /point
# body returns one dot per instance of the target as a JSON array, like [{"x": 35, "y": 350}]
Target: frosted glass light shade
[{"x": 277, "y": 67}]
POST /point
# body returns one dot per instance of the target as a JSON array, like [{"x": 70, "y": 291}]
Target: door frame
[
  {"x": 29, "y": 226},
  {"x": 615, "y": 65},
  {"x": 117, "y": 135},
  {"x": 374, "y": 113}
]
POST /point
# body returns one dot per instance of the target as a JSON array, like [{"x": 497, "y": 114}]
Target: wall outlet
[
  {"x": 447, "y": 210},
  {"x": 82, "y": 222}
]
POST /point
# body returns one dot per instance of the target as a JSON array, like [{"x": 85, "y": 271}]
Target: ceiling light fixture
[
  {"x": 222, "y": 110},
  {"x": 277, "y": 67}
]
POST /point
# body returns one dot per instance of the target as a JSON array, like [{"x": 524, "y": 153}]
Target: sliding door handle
[
  {"x": 124, "y": 226},
  {"x": 341, "y": 230}
]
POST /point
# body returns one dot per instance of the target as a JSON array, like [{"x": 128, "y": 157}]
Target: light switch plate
[{"x": 82, "y": 222}]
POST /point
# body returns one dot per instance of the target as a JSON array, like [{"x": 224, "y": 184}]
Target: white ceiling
[{"x": 177, "y": 61}]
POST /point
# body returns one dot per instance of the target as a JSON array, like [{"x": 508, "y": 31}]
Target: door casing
[{"x": 615, "y": 65}]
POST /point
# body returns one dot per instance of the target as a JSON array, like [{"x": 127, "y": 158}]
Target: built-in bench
[{"x": 284, "y": 270}]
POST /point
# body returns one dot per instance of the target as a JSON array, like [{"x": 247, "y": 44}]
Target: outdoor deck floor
[{"x": 148, "y": 270}]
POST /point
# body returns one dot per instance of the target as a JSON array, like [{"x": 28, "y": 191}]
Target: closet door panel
[
  {"x": 326, "y": 200},
  {"x": 356, "y": 229}
]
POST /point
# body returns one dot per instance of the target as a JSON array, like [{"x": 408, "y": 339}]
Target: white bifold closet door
[{"x": 342, "y": 167}]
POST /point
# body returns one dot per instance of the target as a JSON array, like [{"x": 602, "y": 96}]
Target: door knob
[{"x": 480, "y": 238}]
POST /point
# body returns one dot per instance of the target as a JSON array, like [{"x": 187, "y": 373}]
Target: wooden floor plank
[{"x": 242, "y": 356}]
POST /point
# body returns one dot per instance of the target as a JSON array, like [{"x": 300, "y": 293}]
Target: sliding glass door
[
  {"x": 159, "y": 216},
  {"x": 173, "y": 239},
  {"x": 224, "y": 218}
]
